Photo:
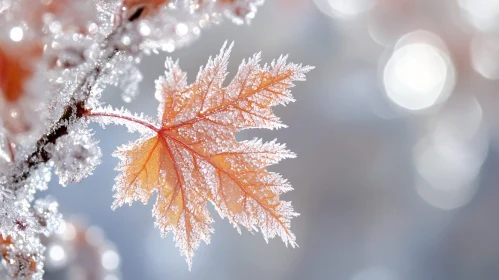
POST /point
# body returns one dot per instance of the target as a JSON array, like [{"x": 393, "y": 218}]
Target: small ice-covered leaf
[
  {"x": 47, "y": 214},
  {"x": 125, "y": 75},
  {"x": 23, "y": 259},
  {"x": 168, "y": 25},
  {"x": 129, "y": 83},
  {"x": 242, "y": 11},
  {"x": 24, "y": 191}
]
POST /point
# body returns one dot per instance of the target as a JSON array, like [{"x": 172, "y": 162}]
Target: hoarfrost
[{"x": 75, "y": 155}]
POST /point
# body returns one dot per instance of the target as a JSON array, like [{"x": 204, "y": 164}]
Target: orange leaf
[
  {"x": 192, "y": 157},
  {"x": 15, "y": 260},
  {"x": 16, "y": 69},
  {"x": 13, "y": 74}
]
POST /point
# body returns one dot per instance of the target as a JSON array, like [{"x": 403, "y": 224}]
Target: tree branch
[{"x": 75, "y": 110}]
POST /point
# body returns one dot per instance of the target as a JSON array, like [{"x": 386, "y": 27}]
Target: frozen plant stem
[
  {"x": 10, "y": 146},
  {"x": 89, "y": 113}
]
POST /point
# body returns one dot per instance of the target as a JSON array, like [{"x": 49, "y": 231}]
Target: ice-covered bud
[
  {"x": 75, "y": 155},
  {"x": 124, "y": 75},
  {"x": 47, "y": 214},
  {"x": 23, "y": 259},
  {"x": 40, "y": 178},
  {"x": 20, "y": 228},
  {"x": 242, "y": 11},
  {"x": 23, "y": 191}
]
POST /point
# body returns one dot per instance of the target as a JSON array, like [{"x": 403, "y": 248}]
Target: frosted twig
[{"x": 72, "y": 112}]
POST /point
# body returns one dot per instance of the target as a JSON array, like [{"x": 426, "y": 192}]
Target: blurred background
[{"x": 397, "y": 136}]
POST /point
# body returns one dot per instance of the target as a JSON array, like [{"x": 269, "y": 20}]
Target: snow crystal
[{"x": 46, "y": 212}]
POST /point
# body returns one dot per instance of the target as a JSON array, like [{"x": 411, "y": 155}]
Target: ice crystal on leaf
[{"x": 193, "y": 158}]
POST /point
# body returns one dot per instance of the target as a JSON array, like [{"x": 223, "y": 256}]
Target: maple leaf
[{"x": 192, "y": 157}]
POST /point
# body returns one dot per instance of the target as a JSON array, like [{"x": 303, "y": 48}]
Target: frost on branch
[
  {"x": 75, "y": 155},
  {"x": 181, "y": 21},
  {"x": 193, "y": 157},
  {"x": 56, "y": 52},
  {"x": 20, "y": 246},
  {"x": 22, "y": 222},
  {"x": 47, "y": 215}
]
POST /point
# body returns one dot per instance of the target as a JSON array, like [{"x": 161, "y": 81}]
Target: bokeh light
[
  {"x": 450, "y": 158},
  {"x": 375, "y": 273},
  {"x": 417, "y": 75},
  {"x": 16, "y": 34},
  {"x": 57, "y": 256},
  {"x": 450, "y": 198},
  {"x": 482, "y": 14},
  {"x": 110, "y": 260},
  {"x": 485, "y": 55},
  {"x": 344, "y": 8}
]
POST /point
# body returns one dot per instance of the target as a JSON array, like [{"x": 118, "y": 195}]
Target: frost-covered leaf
[{"x": 193, "y": 157}]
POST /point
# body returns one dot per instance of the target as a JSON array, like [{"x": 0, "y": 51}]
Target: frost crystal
[
  {"x": 47, "y": 215},
  {"x": 75, "y": 155},
  {"x": 134, "y": 122},
  {"x": 21, "y": 226}
]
